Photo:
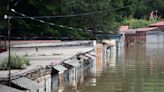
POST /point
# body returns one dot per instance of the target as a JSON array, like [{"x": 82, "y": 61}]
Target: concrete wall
[
  {"x": 45, "y": 82},
  {"x": 133, "y": 40},
  {"x": 55, "y": 82}
]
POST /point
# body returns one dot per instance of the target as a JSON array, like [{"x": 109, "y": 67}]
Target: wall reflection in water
[
  {"x": 92, "y": 67},
  {"x": 119, "y": 69},
  {"x": 136, "y": 68}
]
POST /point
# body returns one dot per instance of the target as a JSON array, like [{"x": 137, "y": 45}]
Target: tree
[{"x": 107, "y": 16}]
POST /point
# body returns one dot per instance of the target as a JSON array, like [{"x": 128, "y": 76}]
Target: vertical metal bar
[
  {"x": 5, "y": 44},
  {"x": 9, "y": 52}
]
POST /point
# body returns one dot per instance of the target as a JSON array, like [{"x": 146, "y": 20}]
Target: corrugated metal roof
[
  {"x": 72, "y": 62},
  {"x": 59, "y": 68},
  {"x": 4, "y": 88},
  {"x": 26, "y": 83}
]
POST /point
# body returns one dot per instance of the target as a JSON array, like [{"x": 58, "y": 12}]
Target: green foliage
[
  {"x": 16, "y": 62},
  {"x": 137, "y": 23},
  {"x": 103, "y": 21}
]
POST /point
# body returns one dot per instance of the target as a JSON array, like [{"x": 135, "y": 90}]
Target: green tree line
[{"x": 114, "y": 12}]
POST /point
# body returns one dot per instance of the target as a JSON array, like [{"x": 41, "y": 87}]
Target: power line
[
  {"x": 61, "y": 16},
  {"x": 38, "y": 18},
  {"x": 3, "y": 36},
  {"x": 16, "y": 3},
  {"x": 50, "y": 23},
  {"x": 38, "y": 38},
  {"x": 71, "y": 15}
]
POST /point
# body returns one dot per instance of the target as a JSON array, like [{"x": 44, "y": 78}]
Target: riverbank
[
  {"x": 47, "y": 53},
  {"x": 67, "y": 70},
  {"x": 43, "y": 57}
]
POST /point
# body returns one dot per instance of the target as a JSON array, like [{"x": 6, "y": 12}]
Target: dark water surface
[{"x": 137, "y": 69}]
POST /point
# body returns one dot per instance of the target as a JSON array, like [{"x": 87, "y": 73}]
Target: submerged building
[{"x": 139, "y": 36}]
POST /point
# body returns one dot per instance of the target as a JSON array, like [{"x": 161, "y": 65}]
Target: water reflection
[
  {"x": 136, "y": 69},
  {"x": 99, "y": 59},
  {"x": 112, "y": 56}
]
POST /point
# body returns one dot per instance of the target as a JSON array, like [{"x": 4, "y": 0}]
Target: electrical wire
[
  {"x": 36, "y": 38},
  {"x": 38, "y": 18},
  {"x": 71, "y": 15},
  {"x": 50, "y": 23}
]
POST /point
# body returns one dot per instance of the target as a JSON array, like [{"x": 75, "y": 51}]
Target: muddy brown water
[{"x": 136, "y": 69}]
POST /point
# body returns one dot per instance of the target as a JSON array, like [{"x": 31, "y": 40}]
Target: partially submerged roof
[
  {"x": 91, "y": 56},
  {"x": 59, "y": 68},
  {"x": 26, "y": 84},
  {"x": 133, "y": 31},
  {"x": 144, "y": 29},
  {"x": 110, "y": 42},
  {"x": 83, "y": 57},
  {"x": 158, "y": 24},
  {"x": 73, "y": 63},
  {"x": 4, "y": 88},
  {"x": 122, "y": 28}
]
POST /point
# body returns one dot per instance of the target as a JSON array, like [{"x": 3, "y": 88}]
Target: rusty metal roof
[
  {"x": 158, "y": 24},
  {"x": 4, "y": 88},
  {"x": 133, "y": 31},
  {"x": 26, "y": 83},
  {"x": 144, "y": 29}
]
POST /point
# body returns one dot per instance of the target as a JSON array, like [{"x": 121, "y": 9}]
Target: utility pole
[{"x": 8, "y": 17}]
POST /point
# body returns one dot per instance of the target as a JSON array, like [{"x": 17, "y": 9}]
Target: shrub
[
  {"x": 16, "y": 62},
  {"x": 138, "y": 23}
]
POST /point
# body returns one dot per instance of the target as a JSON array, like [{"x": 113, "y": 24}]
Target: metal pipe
[{"x": 9, "y": 51}]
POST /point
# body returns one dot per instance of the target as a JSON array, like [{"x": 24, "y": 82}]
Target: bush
[
  {"x": 138, "y": 23},
  {"x": 16, "y": 62}
]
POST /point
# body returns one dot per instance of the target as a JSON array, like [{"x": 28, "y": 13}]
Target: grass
[{"x": 16, "y": 62}]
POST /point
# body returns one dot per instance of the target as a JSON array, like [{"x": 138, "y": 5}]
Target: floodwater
[{"x": 136, "y": 69}]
